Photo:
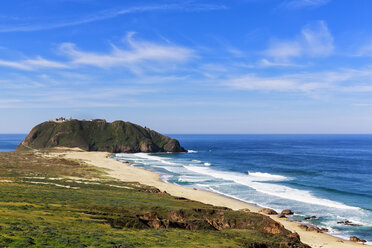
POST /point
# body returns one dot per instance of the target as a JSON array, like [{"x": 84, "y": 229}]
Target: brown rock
[
  {"x": 348, "y": 223},
  {"x": 287, "y": 212},
  {"x": 218, "y": 224},
  {"x": 175, "y": 216},
  {"x": 245, "y": 210},
  {"x": 282, "y": 216},
  {"x": 294, "y": 235},
  {"x": 356, "y": 239},
  {"x": 274, "y": 228},
  {"x": 312, "y": 229},
  {"x": 268, "y": 211},
  {"x": 151, "y": 219},
  {"x": 303, "y": 227}
]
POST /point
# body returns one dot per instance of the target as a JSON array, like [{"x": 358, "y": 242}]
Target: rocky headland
[{"x": 99, "y": 135}]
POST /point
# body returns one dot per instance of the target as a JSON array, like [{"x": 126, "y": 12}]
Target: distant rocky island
[{"x": 99, "y": 135}]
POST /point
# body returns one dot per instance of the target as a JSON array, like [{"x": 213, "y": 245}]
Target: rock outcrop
[
  {"x": 311, "y": 228},
  {"x": 287, "y": 212},
  {"x": 348, "y": 223},
  {"x": 268, "y": 211},
  {"x": 356, "y": 239},
  {"x": 310, "y": 217},
  {"x": 99, "y": 135}
]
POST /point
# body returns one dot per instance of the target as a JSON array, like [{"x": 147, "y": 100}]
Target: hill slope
[
  {"x": 49, "y": 201},
  {"x": 99, "y": 135}
]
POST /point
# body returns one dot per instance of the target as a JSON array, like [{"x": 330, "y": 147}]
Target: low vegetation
[{"x": 54, "y": 202}]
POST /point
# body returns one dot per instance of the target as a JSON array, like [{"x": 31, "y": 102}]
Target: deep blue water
[
  {"x": 329, "y": 176},
  {"x": 9, "y": 142}
]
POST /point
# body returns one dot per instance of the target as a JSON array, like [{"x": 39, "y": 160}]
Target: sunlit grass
[{"x": 38, "y": 210}]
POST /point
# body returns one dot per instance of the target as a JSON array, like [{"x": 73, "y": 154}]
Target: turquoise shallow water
[{"x": 329, "y": 176}]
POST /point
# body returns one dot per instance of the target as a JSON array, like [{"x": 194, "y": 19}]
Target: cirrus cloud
[
  {"x": 296, "y": 4},
  {"x": 137, "y": 54},
  {"x": 33, "y": 64},
  {"x": 315, "y": 40}
]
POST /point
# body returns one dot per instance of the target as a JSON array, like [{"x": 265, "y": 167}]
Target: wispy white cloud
[
  {"x": 284, "y": 49},
  {"x": 235, "y": 52},
  {"x": 268, "y": 63},
  {"x": 33, "y": 64},
  {"x": 39, "y": 92},
  {"x": 315, "y": 41},
  {"x": 318, "y": 41},
  {"x": 284, "y": 83},
  {"x": 342, "y": 80},
  {"x": 109, "y": 14},
  {"x": 365, "y": 50},
  {"x": 295, "y": 4},
  {"x": 137, "y": 55}
]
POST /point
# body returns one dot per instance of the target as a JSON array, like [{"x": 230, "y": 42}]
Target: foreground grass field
[{"x": 53, "y": 202}]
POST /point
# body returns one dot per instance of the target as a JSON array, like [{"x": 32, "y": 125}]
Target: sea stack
[{"x": 99, "y": 135}]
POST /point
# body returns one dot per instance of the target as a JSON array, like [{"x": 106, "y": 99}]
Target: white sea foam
[
  {"x": 207, "y": 164},
  {"x": 174, "y": 169},
  {"x": 145, "y": 158},
  {"x": 191, "y": 151},
  {"x": 256, "y": 180},
  {"x": 259, "y": 176},
  {"x": 281, "y": 191},
  {"x": 192, "y": 179},
  {"x": 261, "y": 185},
  {"x": 165, "y": 178}
]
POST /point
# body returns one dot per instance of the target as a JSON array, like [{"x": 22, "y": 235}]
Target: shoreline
[{"x": 125, "y": 172}]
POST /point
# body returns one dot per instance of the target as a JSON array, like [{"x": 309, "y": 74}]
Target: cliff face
[{"x": 99, "y": 135}]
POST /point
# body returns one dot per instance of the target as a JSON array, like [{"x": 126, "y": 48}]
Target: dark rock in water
[
  {"x": 287, "y": 212},
  {"x": 99, "y": 135},
  {"x": 268, "y": 211},
  {"x": 348, "y": 223},
  {"x": 310, "y": 217}
]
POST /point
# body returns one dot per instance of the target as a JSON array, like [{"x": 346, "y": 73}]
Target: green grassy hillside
[
  {"x": 99, "y": 135},
  {"x": 54, "y": 202}
]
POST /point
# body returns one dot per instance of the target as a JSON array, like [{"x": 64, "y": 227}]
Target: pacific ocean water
[
  {"x": 9, "y": 142},
  {"x": 327, "y": 176}
]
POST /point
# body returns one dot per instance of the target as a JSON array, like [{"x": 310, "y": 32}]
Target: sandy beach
[{"x": 127, "y": 173}]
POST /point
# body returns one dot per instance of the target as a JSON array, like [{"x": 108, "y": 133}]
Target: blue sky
[{"x": 233, "y": 66}]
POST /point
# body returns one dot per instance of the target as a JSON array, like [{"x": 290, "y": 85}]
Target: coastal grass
[{"x": 55, "y": 202}]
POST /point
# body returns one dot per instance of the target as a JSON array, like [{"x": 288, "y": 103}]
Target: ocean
[
  {"x": 9, "y": 142},
  {"x": 327, "y": 176}
]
